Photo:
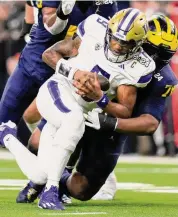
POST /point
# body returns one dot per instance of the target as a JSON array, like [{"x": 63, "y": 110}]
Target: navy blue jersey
[
  {"x": 151, "y": 99},
  {"x": 41, "y": 39}
]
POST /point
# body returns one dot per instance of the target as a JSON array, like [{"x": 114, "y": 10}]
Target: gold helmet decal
[{"x": 163, "y": 32}]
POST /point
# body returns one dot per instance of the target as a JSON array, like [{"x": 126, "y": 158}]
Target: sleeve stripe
[
  {"x": 81, "y": 28},
  {"x": 145, "y": 78}
]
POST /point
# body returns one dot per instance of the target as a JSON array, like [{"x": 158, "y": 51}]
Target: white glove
[
  {"x": 100, "y": 121},
  {"x": 67, "y": 6},
  {"x": 92, "y": 119}
]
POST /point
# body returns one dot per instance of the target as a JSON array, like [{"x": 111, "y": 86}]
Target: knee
[{"x": 31, "y": 116}]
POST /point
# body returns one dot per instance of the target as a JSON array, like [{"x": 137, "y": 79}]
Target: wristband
[
  {"x": 26, "y": 27},
  {"x": 103, "y": 102},
  {"x": 64, "y": 68}
]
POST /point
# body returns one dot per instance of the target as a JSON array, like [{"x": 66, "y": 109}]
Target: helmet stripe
[
  {"x": 124, "y": 18},
  {"x": 128, "y": 21},
  {"x": 131, "y": 21}
]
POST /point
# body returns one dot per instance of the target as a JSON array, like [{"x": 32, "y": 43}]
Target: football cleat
[
  {"x": 5, "y": 129},
  {"x": 30, "y": 193},
  {"x": 103, "y": 195},
  {"x": 66, "y": 199},
  {"x": 50, "y": 199}
]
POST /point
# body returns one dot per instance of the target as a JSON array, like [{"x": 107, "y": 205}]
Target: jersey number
[
  {"x": 169, "y": 90},
  {"x": 102, "y": 22}
]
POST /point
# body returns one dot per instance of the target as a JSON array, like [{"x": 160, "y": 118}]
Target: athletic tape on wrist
[{"x": 57, "y": 27}]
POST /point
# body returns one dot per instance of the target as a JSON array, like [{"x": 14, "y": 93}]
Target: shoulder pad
[
  {"x": 92, "y": 25},
  {"x": 164, "y": 82}
]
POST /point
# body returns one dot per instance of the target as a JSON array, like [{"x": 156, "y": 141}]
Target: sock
[
  {"x": 57, "y": 166},
  {"x": 63, "y": 182},
  {"x": 23, "y": 133}
]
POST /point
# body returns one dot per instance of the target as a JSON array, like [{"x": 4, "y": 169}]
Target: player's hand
[
  {"x": 82, "y": 76},
  {"x": 92, "y": 119},
  {"x": 100, "y": 121},
  {"x": 89, "y": 88}
]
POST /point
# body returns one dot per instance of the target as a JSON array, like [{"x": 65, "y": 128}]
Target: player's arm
[
  {"x": 65, "y": 48},
  {"x": 28, "y": 20},
  {"x": 126, "y": 96},
  {"x": 146, "y": 123},
  {"x": 55, "y": 20}
]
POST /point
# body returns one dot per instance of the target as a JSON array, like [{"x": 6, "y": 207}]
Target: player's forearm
[
  {"x": 65, "y": 48},
  {"x": 29, "y": 14},
  {"x": 117, "y": 110},
  {"x": 51, "y": 57},
  {"x": 145, "y": 124}
]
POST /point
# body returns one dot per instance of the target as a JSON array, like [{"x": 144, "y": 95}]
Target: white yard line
[
  {"x": 154, "y": 170},
  {"x": 6, "y": 155},
  {"x": 148, "y": 159},
  {"x": 73, "y": 213},
  {"x": 15, "y": 184}
]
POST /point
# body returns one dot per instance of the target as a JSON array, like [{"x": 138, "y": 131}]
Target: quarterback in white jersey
[{"x": 111, "y": 48}]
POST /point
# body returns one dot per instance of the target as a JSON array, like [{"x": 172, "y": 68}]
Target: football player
[
  {"x": 112, "y": 51},
  {"x": 151, "y": 100}
]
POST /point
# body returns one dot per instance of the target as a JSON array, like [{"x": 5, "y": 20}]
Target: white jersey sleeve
[{"x": 90, "y": 25}]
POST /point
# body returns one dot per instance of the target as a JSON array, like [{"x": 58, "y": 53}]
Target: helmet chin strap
[{"x": 115, "y": 58}]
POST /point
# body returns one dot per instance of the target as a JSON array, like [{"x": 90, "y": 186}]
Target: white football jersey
[{"x": 91, "y": 57}]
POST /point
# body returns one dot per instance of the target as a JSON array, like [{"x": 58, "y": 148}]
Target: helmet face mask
[
  {"x": 118, "y": 49},
  {"x": 125, "y": 34}
]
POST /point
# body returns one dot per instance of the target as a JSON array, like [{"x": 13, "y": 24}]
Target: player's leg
[
  {"x": 33, "y": 143},
  {"x": 61, "y": 110},
  {"x": 19, "y": 92},
  {"x": 98, "y": 159},
  {"x": 27, "y": 161},
  {"x": 31, "y": 116}
]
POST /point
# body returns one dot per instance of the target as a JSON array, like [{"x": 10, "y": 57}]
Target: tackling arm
[{"x": 126, "y": 96}]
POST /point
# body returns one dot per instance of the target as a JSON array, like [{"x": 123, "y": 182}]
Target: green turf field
[{"x": 131, "y": 200}]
